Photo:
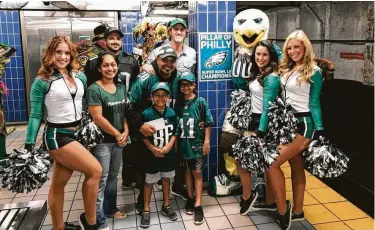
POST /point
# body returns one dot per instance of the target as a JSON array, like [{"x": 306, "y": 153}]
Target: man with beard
[
  {"x": 140, "y": 99},
  {"x": 127, "y": 74},
  {"x": 186, "y": 60},
  {"x": 128, "y": 66},
  {"x": 186, "y": 56}
]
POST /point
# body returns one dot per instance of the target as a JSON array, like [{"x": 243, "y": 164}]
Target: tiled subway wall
[
  {"x": 14, "y": 103},
  {"x": 212, "y": 16},
  {"x": 128, "y": 20}
]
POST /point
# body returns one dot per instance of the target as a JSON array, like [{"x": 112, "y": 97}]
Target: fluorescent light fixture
[{"x": 170, "y": 12}]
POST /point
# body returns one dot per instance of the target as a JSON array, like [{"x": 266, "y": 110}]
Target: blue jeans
[{"x": 109, "y": 156}]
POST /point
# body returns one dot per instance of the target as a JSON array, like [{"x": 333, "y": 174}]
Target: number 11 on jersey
[{"x": 190, "y": 128}]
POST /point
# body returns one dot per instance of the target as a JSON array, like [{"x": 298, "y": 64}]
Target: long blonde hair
[
  {"x": 47, "y": 67},
  {"x": 307, "y": 67}
]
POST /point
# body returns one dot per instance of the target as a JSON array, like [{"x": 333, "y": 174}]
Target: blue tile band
[{"x": 14, "y": 103}]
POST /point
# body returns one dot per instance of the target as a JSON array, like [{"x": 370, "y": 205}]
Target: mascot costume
[
  {"x": 249, "y": 27},
  {"x": 5, "y": 52},
  {"x": 148, "y": 36}
]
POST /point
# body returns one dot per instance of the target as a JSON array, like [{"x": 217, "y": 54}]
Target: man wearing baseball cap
[
  {"x": 128, "y": 66},
  {"x": 98, "y": 46},
  {"x": 186, "y": 56},
  {"x": 140, "y": 99}
]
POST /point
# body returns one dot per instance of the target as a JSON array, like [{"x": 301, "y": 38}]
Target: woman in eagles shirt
[{"x": 106, "y": 104}]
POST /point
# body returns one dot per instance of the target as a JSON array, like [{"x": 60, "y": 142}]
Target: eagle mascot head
[{"x": 249, "y": 27}]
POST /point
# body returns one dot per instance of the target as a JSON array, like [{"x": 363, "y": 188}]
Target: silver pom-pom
[
  {"x": 324, "y": 160},
  {"x": 240, "y": 110},
  {"x": 25, "y": 171},
  {"x": 88, "y": 133},
  {"x": 282, "y": 124},
  {"x": 248, "y": 151}
]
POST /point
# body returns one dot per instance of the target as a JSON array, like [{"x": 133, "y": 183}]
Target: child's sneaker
[
  {"x": 298, "y": 217},
  {"x": 145, "y": 221},
  {"x": 189, "y": 207},
  {"x": 263, "y": 206},
  {"x": 198, "y": 215},
  {"x": 84, "y": 225},
  {"x": 169, "y": 212}
]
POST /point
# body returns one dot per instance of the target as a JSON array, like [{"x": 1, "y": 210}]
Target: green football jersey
[
  {"x": 160, "y": 139},
  {"x": 141, "y": 89},
  {"x": 194, "y": 117}
]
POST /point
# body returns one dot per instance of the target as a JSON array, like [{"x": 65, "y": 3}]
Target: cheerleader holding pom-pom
[
  {"x": 248, "y": 151},
  {"x": 60, "y": 88}
]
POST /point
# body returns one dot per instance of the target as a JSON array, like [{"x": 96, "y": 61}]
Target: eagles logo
[{"x": 216, "y": 59}]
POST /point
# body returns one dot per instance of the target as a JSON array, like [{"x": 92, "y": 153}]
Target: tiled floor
[{"x": 324, "y": 208}]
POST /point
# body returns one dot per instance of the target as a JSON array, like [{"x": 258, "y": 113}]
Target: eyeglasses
[
  {"x": 186, "y": 85},
  {"x": 161, "y": 95}
]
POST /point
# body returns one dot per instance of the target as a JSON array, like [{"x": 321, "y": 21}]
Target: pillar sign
[
  {"x": 360, "y": 56},
  {"x": 215, "y": 56}
]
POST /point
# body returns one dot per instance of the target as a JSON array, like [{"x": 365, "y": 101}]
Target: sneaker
[
  {"x": 247, "y": 204},
  {"x": 198, "y": 215},
  {"x": 71, "y": 226},
  {"x": 130, "y": 185},
  {"x": 179, "y": 190},
  {"x": 189, "y": 207},
  {"x": 284, "y": 221},
  {"x": 84, "y": 225},
  {"x": 263, "y": 206},
  {"x": 169, "y": 212},
  {"x": 298, "y": 217},
  {"x": 145, "y": 221},
  {"x": 159, "y": 185}
]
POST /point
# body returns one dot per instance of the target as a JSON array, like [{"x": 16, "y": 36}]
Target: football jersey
[
  {"x": 160, "y": 139},
  {"x": 194, "y": 117}
]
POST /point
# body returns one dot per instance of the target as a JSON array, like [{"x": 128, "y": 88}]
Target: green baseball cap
[
  {"x": 187, "y": 76},
  {"x": 160, "y": 85},
  {"x": 178, "y": 21}
]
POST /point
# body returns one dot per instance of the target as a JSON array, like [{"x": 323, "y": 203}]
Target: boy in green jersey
[
  {"x": 194, "y": 133},
  {"x": 160, "y": 162}
]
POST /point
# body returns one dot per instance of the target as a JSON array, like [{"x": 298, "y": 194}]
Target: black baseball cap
[
  {"x": 99, "y": 32},
  {"x": 113, "y": 29}
]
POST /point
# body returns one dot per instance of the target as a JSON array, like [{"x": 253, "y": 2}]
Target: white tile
[
  {"x": 173, "y": 226},
  {"x": 231, "y": 208},
  {"x": 227, "y": 200},
  {"x": 189, "y": 225},
  {"x": 216, "y": 223},
  {"x": 208, "y": 200},
  {"x": 74, "y": 215},
  {"x": 238, "y": 220},
  {"x": 213, "y": 210}
]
